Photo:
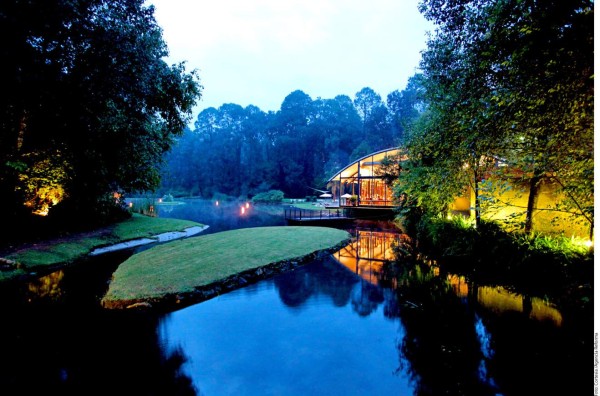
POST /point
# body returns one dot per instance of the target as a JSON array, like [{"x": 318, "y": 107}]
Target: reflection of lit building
[
  {"x": 367, "y": 253},
  {"x": 360, "y": 179},
  {"x": 459, "y": 285}
]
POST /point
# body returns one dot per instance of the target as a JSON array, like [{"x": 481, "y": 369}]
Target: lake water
[{"x": 355, "y": 323}]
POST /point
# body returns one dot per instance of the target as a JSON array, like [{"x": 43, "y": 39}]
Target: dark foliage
[{"x": 88, "y": 105}]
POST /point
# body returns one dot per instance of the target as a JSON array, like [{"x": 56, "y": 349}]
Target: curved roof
[{"x": 365, "y": 164}]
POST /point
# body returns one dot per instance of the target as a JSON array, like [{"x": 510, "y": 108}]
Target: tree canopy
[
  {"x": 244, "y": 151},
  {"x": 88, "y": 105},
  {"x": 508, "y": 81}
]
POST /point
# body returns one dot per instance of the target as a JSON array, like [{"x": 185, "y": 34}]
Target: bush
[
  {"x": 168, "y": 198},
  {"x": 538, "y": 264},
  {"x": 269, "y": 197}
]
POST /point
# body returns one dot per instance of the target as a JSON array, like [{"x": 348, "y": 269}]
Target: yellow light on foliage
[{"x": 43, "y": 180}]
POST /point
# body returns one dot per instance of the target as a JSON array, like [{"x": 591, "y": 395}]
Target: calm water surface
[{"x": 355, "y": 323}]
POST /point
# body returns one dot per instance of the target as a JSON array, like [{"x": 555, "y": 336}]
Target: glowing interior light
[
  {"x": 243, "y": 210},
  {"x": 217, "y": 203},
  {"x": 247, "y": 205}
]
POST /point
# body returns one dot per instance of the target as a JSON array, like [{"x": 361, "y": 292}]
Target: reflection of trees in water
[
  {"x": 440, "y": 349},
  {"x": 47, "y": 286},
  {"x": 366, "y": 298},
  {"x": 462, "y": 338},
  {"x": 296, "y": 287},
  {"x": 537, "y": 356},
  {"x": 57, "y": 340},
  {"x": 332, "y": 280},
  {"x": 61, "y": 351}
]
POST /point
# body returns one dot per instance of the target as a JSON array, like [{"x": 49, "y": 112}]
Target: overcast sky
[{"x": 259, "y": 51}]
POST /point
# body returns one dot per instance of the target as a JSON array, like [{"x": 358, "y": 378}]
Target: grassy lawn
[
  {"x": 140, "y": 226},
  {"x": 180, "y": 266},
  {"x": 68, "y": 249}
]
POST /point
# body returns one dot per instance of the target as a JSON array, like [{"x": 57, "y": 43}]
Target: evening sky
[{"x": 258, "y": 51}]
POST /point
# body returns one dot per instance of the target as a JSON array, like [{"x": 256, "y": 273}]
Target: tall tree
[
  {"x": 86, "y": 81},
  {"x": 513, "y": 80},
  {"x": 366, "y": 102},
  {"x": 406, "y": 106}
]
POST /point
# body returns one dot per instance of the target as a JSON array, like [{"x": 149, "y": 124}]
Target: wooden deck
[{"x": 337, "y": 216}]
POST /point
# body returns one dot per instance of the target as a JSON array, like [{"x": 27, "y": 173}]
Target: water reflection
[
  {"x": 48, "y": 286},
  {"x": 57, "y": 340},
  {"x": 371, "y": 252},
  {"x": 501, "y": 301},
  {"x": 445, "y": 329},
  {"x": 367, "y": 253},
  {"x": 318, "y": 330},
  {"x": 360, "y": 322},
  {"x": 227, "y": 215},
  {"x": 462, "y": 338}
]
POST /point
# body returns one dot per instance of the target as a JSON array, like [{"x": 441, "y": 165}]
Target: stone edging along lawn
[{"x": 189, "y": 271}]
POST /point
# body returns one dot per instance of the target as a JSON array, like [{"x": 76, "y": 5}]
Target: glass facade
[{"x": 360, "y": 179}]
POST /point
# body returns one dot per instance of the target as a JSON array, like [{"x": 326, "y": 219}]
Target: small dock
[
  {"x": 328, "y": 217},
  {"x": 337, "y": 216}
]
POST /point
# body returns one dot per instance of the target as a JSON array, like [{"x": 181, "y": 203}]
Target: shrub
[{"x": 269, "y": 197}]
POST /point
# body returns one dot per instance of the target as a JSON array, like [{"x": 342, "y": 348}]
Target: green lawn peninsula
[{"x": 204, "y": 266}]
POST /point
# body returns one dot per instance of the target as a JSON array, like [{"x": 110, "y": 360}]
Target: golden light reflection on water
[
  {"x": 540, "y": 310},
  {"x": 47, "y": 286},
  {"x": 501, "y": 300},
  {"x": 366, "y": 255},
  {"x": 368, "y": 252},
  {"x": 458, "y": 284}
]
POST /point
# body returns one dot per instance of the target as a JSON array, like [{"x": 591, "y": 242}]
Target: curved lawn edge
[{"x": 166, "y": 297}]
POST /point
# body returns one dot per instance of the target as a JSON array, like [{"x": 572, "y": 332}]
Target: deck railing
[{"x": 293, "y": 213}]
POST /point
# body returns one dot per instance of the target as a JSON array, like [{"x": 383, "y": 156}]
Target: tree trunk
[
  {"x": 477, "y": 202},
  {"x": 534, "y": 183}
]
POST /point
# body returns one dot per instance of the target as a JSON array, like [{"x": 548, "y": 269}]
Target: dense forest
[{"x": 237, "y": 152}]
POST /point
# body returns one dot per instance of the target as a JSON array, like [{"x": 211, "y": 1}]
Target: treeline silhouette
[{"x": 239, "y": 152}]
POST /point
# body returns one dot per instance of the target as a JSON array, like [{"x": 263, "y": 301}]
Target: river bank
[{"x": 34, "y": 259}]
